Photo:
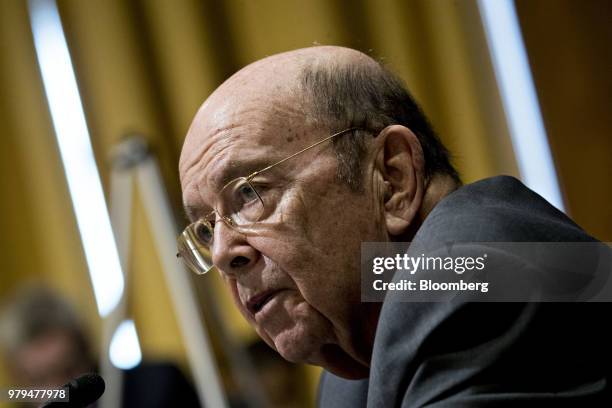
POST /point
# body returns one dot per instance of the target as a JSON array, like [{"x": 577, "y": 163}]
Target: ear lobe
[{"x": 401, "y": 167}]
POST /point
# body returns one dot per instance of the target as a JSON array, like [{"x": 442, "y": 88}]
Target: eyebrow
[
  {"x": 242, "y": 169},
  {"x": 231, "y": 172}
]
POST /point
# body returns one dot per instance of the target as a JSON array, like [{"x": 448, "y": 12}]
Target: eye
[
  {"x": 246, "y": 193},
  {"x": 204, "y": 232}
]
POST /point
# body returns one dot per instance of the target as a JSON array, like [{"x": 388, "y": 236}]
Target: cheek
[
  {"x": 325, "y": 222},
  {"x": 317, "y": 244},
  {"x": 315, "y": 240},
  {"x": 296, "y": 330}
]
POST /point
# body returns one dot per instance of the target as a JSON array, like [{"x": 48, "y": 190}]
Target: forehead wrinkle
[
  {"x": 267, "y": 133},
  {"x": 206, "y": 175},
  {"x": 210, "y": 176},
  {"x": 191, "y": 212},
  {"x": 234, "y": 170},
  {"x": 262, "y": 120},
  {"x": 193, "y": 167}
]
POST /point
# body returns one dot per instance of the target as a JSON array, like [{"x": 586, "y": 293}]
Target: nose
[{"x": 231, "y": 253}]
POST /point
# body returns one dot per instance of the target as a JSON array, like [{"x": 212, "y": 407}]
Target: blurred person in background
[
  {"x": 43, "y": 340},
  {"x": 44, "y": 343}
]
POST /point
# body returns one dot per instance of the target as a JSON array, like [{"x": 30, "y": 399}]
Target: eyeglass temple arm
[{"x": 250, "y": 176}]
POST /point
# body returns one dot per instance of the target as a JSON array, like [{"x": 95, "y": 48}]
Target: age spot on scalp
[{"x": 290, "y": 138}]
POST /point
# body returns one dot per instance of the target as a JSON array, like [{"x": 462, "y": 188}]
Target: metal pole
[
  {"x": 196, "y": 337},
  {"x": 121, "y": 193}
]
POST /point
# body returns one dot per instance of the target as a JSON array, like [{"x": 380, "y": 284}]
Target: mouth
[{"x": 257, "y": 302}]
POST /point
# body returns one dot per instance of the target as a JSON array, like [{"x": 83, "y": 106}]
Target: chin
[
  {"x": 298, "y": 346},
  {"x": 298, "y": 331}
]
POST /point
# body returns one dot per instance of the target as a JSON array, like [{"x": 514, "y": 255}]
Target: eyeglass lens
[{"x": 243, "y": 206}]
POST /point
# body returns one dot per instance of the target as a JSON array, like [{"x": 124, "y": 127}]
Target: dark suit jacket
[{"x": 486, "y": 354}]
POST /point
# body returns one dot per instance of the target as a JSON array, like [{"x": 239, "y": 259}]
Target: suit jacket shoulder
[{"x": 486, "y": 354}]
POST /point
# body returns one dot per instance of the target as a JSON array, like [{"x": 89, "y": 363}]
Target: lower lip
[{"x": 268, "y": 304}]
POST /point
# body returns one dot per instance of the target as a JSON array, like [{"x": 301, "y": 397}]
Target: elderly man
[{"x": 295, "y": 161}]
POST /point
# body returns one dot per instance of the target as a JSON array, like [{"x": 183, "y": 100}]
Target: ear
[{"x": 400, "y": 163}]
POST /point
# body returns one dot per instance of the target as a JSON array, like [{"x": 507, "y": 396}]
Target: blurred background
[{"x": 143, "y": 67}]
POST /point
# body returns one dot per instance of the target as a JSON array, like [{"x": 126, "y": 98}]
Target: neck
[
  {"x": 436, "y": 188},
  {"x": 355, "y": 363}
]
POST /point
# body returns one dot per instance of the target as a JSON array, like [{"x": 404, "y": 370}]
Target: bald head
[
  {"x": 272, "y": 81},
  {"x": 281, "y": 73}
]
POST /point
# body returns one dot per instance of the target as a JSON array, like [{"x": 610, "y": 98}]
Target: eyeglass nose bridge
[{"x": 225, "y": 218}]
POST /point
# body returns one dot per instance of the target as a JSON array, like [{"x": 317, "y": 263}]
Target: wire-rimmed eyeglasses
[{"x": 242, "y": 206}]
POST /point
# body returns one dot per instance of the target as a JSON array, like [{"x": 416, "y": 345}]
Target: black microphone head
[
  {"x": 82, "y": 391},
  {"x": 85, "y": 389}
]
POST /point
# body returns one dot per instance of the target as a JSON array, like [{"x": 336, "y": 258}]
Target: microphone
[{"x": 82, "y": 391}]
